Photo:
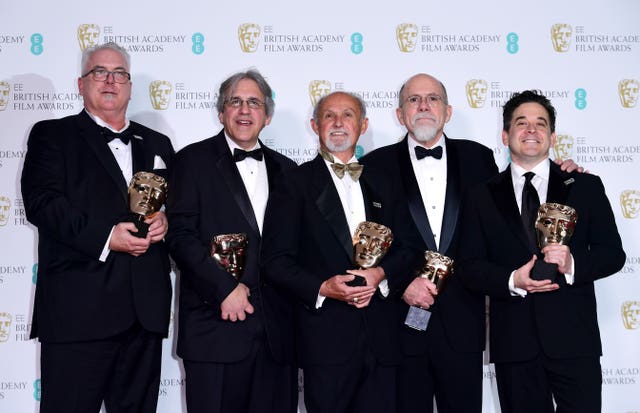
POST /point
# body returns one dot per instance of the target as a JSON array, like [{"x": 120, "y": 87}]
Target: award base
[
  {"x": 417, "y": 318},
  {"x": 544, "y": 271},
  {"x": 143, "y": 227}
]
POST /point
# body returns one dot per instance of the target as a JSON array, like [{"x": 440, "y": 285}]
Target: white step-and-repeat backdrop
[{"x": 585, "y": 56}]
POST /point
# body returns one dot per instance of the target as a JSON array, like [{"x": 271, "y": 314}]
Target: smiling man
[
  {"x": 545, "y": 340},
  {"x": 228, "y": 336}
]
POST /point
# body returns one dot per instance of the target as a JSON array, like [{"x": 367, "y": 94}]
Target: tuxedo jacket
[
  {"x": 208, "y": 198},
  {"x": 462, "y": 312},
  {"x": 74, "y": 193},
  {"x": 562, "y": 323},
  {"x": 307, "y": 241}
]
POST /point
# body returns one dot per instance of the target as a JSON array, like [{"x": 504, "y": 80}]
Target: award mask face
[
  {"x": 436, "y": 268},
  {"x": 370, "y": 242},
  {"x": 147, "y": 193},
  {"x": 228, "y": 250},
  {"x": 555, "y": 224}
]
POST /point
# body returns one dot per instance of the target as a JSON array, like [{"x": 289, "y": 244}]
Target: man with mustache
[{"x": 434, "y": 171}]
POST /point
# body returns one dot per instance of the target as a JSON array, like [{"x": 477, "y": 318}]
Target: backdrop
[{"x": 585, "y": 56}]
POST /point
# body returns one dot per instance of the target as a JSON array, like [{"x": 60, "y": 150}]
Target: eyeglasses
[
  {"x": 237, "y": 103},
  {"x": 101, "y": 75},
  {"x": 431, "y": 100}
]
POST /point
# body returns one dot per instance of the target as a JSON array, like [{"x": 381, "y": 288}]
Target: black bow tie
[
  {"x": 241, "y": 155},
  {"x": 422, "y": 152},
  {"x": 124, "y": 136}
]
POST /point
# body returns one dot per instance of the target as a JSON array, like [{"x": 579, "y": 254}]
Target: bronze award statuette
[
  {"x": 554, "y": 225},
  {"x": 437, "y": 268},
  {"x": 371, "y": 242},
  {"x": 228, "y": 251},
  {"x": 147, "y": 193}
]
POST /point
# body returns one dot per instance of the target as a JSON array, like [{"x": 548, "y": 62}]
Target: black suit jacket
[
  {"x": 468, "y": 164},
  {"x": 208, "y": 198},
  {"x": 562, "y": 323},
  {"x": 307, "y": 241},
  {"x": 74, "y": 193}
]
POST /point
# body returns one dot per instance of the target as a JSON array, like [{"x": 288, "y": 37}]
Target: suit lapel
[
  {"x": 91, "y": 133},
  {"x": 273, "y": 167},
  {"x": 329, "y": 205},
  {"x": 227, "y": 169},
  {"x": 414, "y": 199},
  {"x": 501, "y": 190},
  {"x": 559, "y": 184},
  {"x": 452, "y": 197},
  {"x": 142, "y": 159}
]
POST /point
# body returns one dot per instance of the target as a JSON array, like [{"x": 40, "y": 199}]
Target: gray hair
[
  {"x": 358, "y": 99},
  {"x": 444, "y": 90},
  {"x": 89, "y": 51},
  {"x": 229, "y": 85}
]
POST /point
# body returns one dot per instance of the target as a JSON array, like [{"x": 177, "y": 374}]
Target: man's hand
[
  {"x": 569, "y": 166},
  {"x": 522, "y": 279},
  {"x": 158, "y": 226},
  {"x": 560, "y": 255},
  {"x": 420, "y": 293},
  {"x": 373, "y": 275},
  {"x": 122, "y": 240},
  {"x": 236, "y": 306},
  {"x": 336, "y": 288}
]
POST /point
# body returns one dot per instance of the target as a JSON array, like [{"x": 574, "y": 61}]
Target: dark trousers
[
  {"x": 123, "y": 371},
  {"x": 256, "y": 384},
  {"x": 453, "y": 378},
  {"x": 532, "y": 386}
]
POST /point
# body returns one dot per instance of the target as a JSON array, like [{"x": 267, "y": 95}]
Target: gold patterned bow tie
[{"x": 354, "y": 169}]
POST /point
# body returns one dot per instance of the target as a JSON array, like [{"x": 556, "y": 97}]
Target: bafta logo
[
  {"x": 563, "y": 149},
  {"x": 249, "y": 37},
  {"x": 318, "y": 89},
  {"x": 628, "y": 92},
  {"x": 630, "y": 203},
  {"x": 476, "y": 92},
  {"x": 4, "y": 94},
  {"x": 160, "y": 94},
  {"x": 407, "y": 37},
  {"x": 561, "y": 37},
  {"x": 229, "y": 252},
  {"x": 5, "y": 326},
  {"x": 631, "y": 315},
  {"x": 5, "y": 209},
  {"x": 88, "y": 35}
]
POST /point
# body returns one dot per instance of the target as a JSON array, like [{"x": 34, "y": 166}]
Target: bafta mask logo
[
  {"x": 5, "y": 326},
  {"x": 561, "y": 37},
  {"x": 563, "y": 149},
  {"x": 4, "y": 94},
  {"x": 160, "y": 94},
  {"x": 436, "y": 268},
  {"x": 5, "y": 209},
  {"x": 318, "y": 89},
  {"x": 555, "y": 224},
  {"x": 628, "y": 92},
  {"x": 249, "y": 37},
  {"x": 630, "y": 203},
  {"x": 371, "y": 242},
  {"x": 88, "y": 35},
  {"x": 407, "y": 37},
  {"x": 228, "y": 251},
  {"x": 631, "y": 315},
  {"x": 147, "y": 193},
  {"x": 477, "y": 92}
]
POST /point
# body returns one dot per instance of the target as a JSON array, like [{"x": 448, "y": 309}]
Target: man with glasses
[
  {"x": 103, "y": 295},
  {"x": 445, "y": 360},
  {"x": 236, "y": 353}
]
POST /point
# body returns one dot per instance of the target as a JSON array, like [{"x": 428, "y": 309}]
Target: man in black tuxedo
[
  {"x": 103, "y": 295},
  {"x": 236, "y": 348},
  {"x": 545, "y": 340},
  {"x": 347, "y": 336}
]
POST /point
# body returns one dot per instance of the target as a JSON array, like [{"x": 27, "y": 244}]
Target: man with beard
[{"x": 445, "y": 361}]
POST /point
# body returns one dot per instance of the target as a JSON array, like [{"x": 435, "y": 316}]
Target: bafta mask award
[
  {"x": 371, "y": 242},
  {"x": 147, "y": 193},
  {"x": 437, "y": 268},
  {"x": 228, "y": 251},
  {"x": 554, "y": 225}
]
